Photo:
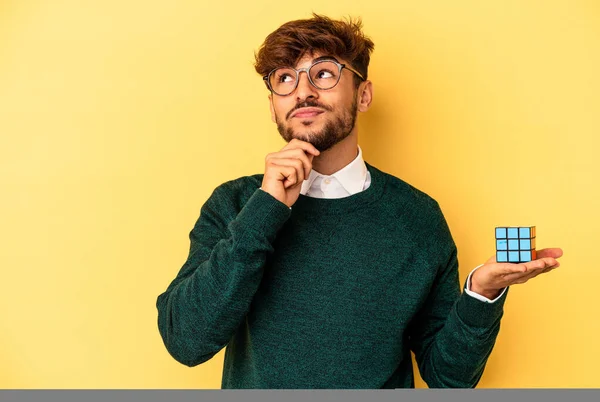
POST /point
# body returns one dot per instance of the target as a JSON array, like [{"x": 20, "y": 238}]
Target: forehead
[{"x": 308, "y": 58}]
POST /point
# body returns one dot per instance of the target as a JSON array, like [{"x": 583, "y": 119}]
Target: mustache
[{"x": 308, "y": 104}]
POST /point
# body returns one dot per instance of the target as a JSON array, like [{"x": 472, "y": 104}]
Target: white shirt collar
[{"x": 352, "y": 176}]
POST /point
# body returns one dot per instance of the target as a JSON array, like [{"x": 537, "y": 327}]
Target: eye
[
  {"x": 285, "y": 77},
  {"x": 325, "y": 74}
]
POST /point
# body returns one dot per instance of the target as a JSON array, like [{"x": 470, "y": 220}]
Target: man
[{"x": 325, "y": 272}]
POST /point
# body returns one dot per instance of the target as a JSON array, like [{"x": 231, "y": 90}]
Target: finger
[
  {"x": 298, "y": 164},
  {"x": 276, "y": 171},
  {"x": 295, "y": 154},
  {"x": 510, "y": 268},
  {"x": 540, "y": 263},
  {"x": 298, "y": 154},
  {"x": 521, "y": 279},
  {"x": 549, "y": 252},
  {"x": 528, "y": 275},
  {"x": 534, "y": 274},
  {"x": 548, "y": 269},
  {"x": 292, "y": 170},
  {"x": 307, "y": 146}
]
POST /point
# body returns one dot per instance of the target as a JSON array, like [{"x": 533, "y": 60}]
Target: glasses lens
[
  {"x": 283, "y": 81},
  {"x": 325, "y": 74}
]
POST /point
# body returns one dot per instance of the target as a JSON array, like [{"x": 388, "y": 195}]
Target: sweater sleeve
[
  {"x": 453, "y": 334},
  {"x": 206, "y": 302}
]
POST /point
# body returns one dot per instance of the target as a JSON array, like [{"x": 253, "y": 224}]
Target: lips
[{"x": 307, "y": 112}]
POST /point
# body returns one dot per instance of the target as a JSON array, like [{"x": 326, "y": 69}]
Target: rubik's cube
[{"x": 515, "y": 244}]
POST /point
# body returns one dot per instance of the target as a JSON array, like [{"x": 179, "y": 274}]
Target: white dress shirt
[{"x": 349, "y": 180}]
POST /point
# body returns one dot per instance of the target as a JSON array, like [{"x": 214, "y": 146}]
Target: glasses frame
[{"x": 341, "y": 66}]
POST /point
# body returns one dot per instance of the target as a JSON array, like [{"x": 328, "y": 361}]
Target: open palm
[{"x": 493, "y": 276}]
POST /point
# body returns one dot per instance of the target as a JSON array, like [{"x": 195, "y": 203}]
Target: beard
[{"x": 334, "y": 131}]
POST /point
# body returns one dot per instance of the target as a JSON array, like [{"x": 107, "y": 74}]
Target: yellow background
[{"x": 119, "y": 118}]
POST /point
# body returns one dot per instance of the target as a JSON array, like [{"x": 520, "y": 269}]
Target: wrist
[{"x": 488, "y": 293}]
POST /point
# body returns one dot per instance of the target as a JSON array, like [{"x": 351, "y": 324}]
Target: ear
[
  {"x": 365, "y": 96},
  {"x": 272, "y": 108}
]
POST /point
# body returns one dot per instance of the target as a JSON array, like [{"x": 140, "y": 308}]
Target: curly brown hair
[{"x": 290, "y": 42}]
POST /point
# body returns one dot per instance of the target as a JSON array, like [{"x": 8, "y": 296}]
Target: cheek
[
  {"x": 281, "y": 109},
  {"x": 338, "y": 101}
]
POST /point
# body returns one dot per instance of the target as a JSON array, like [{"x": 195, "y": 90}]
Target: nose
[{"x": 305, "y": 89}]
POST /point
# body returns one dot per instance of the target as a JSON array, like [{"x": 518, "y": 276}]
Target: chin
[{"x": 304, "y": 137}]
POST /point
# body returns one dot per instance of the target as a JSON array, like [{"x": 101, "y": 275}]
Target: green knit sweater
[{"x": 332, "y": 293}]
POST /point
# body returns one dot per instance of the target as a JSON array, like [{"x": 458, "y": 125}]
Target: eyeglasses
[{"x": 323, "y": 74}]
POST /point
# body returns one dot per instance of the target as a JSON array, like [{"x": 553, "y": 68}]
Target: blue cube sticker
[
  {"x": 501, "y": 256},
  {"x": 525, "y": 256},
  {"x": 501, "y": 244},
  {"x": 513, "y": 256},
  {"x": 513, "y": 244},
  {"x": 500, "y": 233},
  {"x": 525, "y": 233},
  {"x": 513, "y": 233},
  {"x": 525, "y": 244}
]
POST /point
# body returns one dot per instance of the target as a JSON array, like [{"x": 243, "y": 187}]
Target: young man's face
[{"x": 321, "y": 117}]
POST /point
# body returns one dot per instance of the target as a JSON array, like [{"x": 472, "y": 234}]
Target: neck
[{"x": 338, "y": 156}]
